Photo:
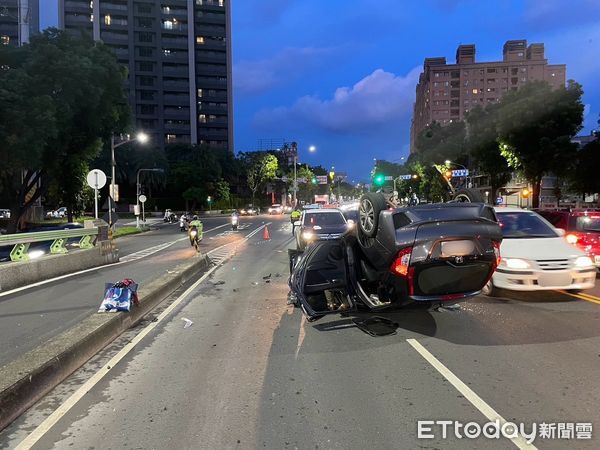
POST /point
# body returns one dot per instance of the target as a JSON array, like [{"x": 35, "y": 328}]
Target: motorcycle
[
  {"x": 183, "y": 223},
  {"x": 234, "y": 223},
  {"x": 195, "y": 238}
]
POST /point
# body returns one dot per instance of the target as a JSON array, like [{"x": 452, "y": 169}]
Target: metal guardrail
[{"x": 59, "y": 238}]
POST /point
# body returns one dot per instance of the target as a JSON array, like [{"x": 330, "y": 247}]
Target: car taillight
[
  {"x": 571, "y": 239},
  {"x": 402, "y": 261},
  {"x": 497, "y": 252}
]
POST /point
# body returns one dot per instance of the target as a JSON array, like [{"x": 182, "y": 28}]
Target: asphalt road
[
  {"x": 251, "y": 373},
  {"x": 31, "y": 316}
]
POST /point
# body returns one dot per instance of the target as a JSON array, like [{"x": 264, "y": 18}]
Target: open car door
[{"x": 320, "y": 280}]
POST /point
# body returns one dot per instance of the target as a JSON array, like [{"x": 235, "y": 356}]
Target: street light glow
[
  {"x": 142, "y": 137},
  {"x": 448, "y": 162},
  {"x": 312, "y": 148}
]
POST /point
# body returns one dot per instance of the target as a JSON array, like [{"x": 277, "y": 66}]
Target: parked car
[
  {"x": 57, "y": 213},
  {"x": 249, "y": 211},
  {"x": 535, "y": 256},
  {"x": 320, "y": 224},
  {"x": 582, "y": 227},
  {"x": 4, "y": 213},
  {"x": 276, "y": 209},
  {"x": 435, "y": 254}
]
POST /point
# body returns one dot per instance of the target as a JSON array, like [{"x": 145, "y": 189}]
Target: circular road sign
[
  {"x": 143, "y": 198},
  {"x": 96, "y": 179}
]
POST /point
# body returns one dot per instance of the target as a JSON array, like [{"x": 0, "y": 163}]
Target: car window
[
  {"x": 588, "y": 223},
  {"x": 324, "y": 219},
  {"x": 524, "y": 225}
]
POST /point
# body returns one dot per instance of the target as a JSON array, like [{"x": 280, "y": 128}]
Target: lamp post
[
  {"x": 311, "y": 149},
  {"x": 137, "y": 192},
  {"x": 142, "y": 138},
  {"x": 448, "y": 163}
]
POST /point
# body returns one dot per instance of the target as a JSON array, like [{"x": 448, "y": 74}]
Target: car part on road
[{"x": 376, "y": 326}]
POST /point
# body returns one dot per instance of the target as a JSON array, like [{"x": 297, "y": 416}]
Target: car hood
[{"x": 538, "y": 248}]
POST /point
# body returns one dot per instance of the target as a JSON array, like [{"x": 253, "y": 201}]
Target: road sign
[
  {"x": 389, "y": 178},
  {"x": 405, "y": 177},
  {"x": 460, "y": 173},
  {"x": 142, "y": 198},
  {"x": 96, "y": 179},
  {"x": 108, "y": 217},
  {"x": 322, "y": 179}
]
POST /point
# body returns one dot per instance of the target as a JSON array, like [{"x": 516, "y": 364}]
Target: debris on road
[
  {"x": 376, "y": 326},
  {"x": 119, "y": 296},
  {"x": 267, "y": 277},
  {"x": 218, "y": 283},
  {"x": 188, "y": 323}
]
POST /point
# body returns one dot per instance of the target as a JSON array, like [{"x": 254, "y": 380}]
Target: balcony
[
  {"x": 173, "y": 12},
  {"x": 177, "y": 100},
  {"x": 180, "y": 86},
  {"x": 175, "y": 71},
  {"x": 109, "y": 37},
  {"x": 175, "y": 42},
  {"x": 111, "y": 7}
]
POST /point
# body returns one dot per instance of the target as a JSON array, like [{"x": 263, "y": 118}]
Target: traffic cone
[{"x": 266, "y": 235}]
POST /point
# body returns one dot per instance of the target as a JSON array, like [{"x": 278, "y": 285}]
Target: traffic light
[
  {"x": 379, "y": 179},
  {"x": 314, "y": 180},
  {"x": 448, "y": 174}
]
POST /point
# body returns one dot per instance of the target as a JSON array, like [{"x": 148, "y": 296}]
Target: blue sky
[{"x": 341, "y": 74}]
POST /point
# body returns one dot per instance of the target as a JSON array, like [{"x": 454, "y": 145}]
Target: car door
[{"x": 320, "y": 280}]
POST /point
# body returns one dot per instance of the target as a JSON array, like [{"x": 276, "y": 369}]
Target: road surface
[{"x": 250, "y": 372}]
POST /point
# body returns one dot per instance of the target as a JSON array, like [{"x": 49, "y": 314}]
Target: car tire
[
  {"x": 370, "y": 205},
  {"x": 489, "y": 290},
  {"x": 469, "y": 196}
]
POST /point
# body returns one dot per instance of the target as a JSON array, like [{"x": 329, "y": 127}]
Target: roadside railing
[{"x": 58, "y": 238}]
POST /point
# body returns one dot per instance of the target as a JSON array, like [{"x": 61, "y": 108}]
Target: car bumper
[{"x": 539, "y": 280}]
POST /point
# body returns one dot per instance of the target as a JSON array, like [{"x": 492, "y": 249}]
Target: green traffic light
[
  {"x": 314, "y": 180},
  {"x": 379, "y": 179}
]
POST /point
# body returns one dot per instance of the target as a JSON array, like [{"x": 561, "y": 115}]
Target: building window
[
  {"x": 107, "y": 19},
  {"x": 474, "y": 91},
  {"x": 146, "y": 66},
  {"x": 199, "y": 39},
  {"x": 168, "y": 25},
  {"x": 5, "y": 40},
  {"x": 145, "y": 51},
  {"x": 202, "y": 118},
  {"x": 170, "y": 138},
  {"x": 491, "y": 70},
  {"x": 145, "y": 22},
  {"x": 147, "y": 109},
  {"x": 145, "y": 9},
  {"x": 491, "y": 80},
  {"x": 523, "y": 79},
  {"x": 514, "y": 80},
  {"x": 514, "y": 71},
  {"x": 436, "y": 74},
  {"x": 520, "y": 54},
  {"x": 145, "y": 37},
  {"x": 146, "y": 95},
  {"x": 553, "y": 74},
  {"x": 146, "y": 81}
]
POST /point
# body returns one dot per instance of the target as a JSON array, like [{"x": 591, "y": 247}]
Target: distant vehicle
[
  {"x": 582, "y": 227},
  {"x": 320, "y": 224},
  {"x": 276, "y": 209},
  {"x": 322, "y": 199},
  {"x": 4, "y": 213},
  {"x": 57, "y": 213},
  {"x": 249, "y": 211},
  {"x": 536, "y": 256}
]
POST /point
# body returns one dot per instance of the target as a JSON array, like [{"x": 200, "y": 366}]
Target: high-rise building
[
  {"x": 178, "y": 55},
  {"x": 446, "y": 92},
  {"x": 19, "y": 19}
]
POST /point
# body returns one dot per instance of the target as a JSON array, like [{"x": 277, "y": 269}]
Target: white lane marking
[
  {"x": 64, "y": 408},
  {"x": 467, "y": 392},
  {"x": 125, "y": 259},
  {"x": 301, "y": 335}
]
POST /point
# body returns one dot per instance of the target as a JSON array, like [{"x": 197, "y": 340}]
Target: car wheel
[
  {"x": 371, "y": 204},
  {"x": 469, "y": 196},
  {"x": 489, "y": 289}
]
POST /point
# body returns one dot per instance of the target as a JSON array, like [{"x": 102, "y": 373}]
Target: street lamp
[
  {"x": 137, "y": 192},
  {"x": 142, "y": 138}
]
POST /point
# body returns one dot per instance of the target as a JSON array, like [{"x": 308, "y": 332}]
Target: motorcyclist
[
  {"x": 235, "y": 219},
  {"x": 195, "y": 223},
  {"x": 295, "y": 216}
]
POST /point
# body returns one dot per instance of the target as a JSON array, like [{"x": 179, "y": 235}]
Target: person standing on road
[{"x": 295, "y": 216}]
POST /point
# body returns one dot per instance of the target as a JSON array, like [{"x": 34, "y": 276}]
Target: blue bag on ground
[{"x": 119, "y": 296}]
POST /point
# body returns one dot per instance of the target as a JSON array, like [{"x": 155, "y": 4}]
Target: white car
[{"x": 536, "y": 256}]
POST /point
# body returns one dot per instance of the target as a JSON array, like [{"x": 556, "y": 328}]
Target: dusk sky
[{"x": 341, "y": 74}]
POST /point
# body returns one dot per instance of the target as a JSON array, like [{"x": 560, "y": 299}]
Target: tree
[
  {"x": 535, "y": 127},
  {"x": 585, "y": 178},
  {"x": 437, "y": 143},
  {"x": 261, "y": 167},
  {"x": 68, "y": 93},
  {"x": 482, "y": 142}
]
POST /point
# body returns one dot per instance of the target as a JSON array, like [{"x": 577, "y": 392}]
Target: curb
[{"x": 31, "y": 376}]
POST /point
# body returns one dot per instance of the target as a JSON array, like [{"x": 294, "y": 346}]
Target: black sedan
[
  {"x": 434, "y": 254},
  {"x": 320, "y": 224}
]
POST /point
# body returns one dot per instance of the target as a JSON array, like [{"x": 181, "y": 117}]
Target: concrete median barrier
[
  {"x": 17, "y": 274},
  {"x": 27, "y": 379}
]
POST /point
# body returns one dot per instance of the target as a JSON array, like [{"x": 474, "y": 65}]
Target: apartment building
[
  {"x": 446, "y": 92},
  {"x": 18, "y": 20},
  {"x": 178, "y": 55}
]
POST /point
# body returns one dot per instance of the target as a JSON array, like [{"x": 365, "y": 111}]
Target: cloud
[
  {"x": 258, "y": 76},
  {"x": 549, "y": 14},
  {"x": 377, "y": 100}
]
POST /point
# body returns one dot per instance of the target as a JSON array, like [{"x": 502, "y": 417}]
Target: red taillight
[
  {"x": 497, "y": 252},
  {"x": 402, "y": 261}
]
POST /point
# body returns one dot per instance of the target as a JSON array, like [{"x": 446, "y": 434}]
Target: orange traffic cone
[{"x": 266, "y": 235}]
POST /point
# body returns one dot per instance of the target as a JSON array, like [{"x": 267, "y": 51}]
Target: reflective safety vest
[{"x": 295, "y": 214}]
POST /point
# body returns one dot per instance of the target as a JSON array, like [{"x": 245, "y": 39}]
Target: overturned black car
[{"x": 434, "y": 254}]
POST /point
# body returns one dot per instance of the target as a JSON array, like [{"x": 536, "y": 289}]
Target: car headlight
[
  {"x": 270, "y": 209},
  {"x": 307, "y": 235},
  {"x": 583, "y": 261},
  {"x": 515, "y": 263},
  {"x": 571, "y": 238}
]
